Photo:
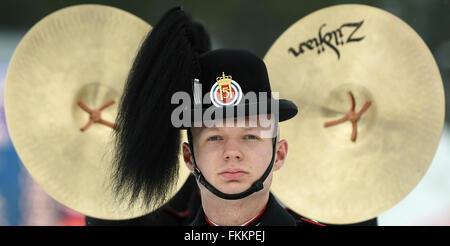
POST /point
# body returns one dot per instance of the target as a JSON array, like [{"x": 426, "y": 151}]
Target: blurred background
[{"x": 248, "y": 24}]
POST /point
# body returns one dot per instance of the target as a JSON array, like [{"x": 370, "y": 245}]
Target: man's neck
[{"x": 233, "y": 212}]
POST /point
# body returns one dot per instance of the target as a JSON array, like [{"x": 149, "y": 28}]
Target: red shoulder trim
[
  {"x": 312, "y": 222},
  {"x": 172, "y": 211}
]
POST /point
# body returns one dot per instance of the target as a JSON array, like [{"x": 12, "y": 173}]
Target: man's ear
[
  {"x": 281, "y": 154},
  {"x": 187, "y": 156}
]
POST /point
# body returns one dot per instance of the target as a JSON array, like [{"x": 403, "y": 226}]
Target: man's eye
[
  {"x": 251, "y": 137},
  {"x": 214, "y": 138}
]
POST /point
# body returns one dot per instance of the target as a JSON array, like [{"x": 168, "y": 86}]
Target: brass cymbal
[
  {"x": 371, "y": 113},
  {"x": 74, "y": 60}
]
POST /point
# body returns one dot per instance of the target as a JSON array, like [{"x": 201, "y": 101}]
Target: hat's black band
[{"x": 255, "y": 187}]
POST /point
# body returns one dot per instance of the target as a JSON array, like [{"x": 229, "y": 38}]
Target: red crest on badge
[{"x": 225, "y": 91}]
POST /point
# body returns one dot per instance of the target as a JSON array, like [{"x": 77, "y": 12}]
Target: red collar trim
[
  {"x": 259, "y": 215},
  {"x": 209, "y": 222}
]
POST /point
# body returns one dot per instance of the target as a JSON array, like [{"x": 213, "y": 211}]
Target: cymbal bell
[
  {"x": 67, "y": 74},
  {"x": 372, "y": 112}
]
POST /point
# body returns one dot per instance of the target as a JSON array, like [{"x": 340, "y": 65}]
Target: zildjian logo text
[{"x": 326, "y": 39}]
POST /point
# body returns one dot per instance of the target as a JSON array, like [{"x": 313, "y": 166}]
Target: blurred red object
[{"x": 71, "y": 218}]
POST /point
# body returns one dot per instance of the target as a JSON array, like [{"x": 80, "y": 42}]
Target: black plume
[{"x": 146, "y": 160}]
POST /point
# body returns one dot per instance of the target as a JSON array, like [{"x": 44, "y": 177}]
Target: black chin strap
[{"x": 255, "y": 187}]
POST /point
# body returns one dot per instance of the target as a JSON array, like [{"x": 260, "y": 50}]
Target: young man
[
  {"x": 233, "y": 166},
  {"x": 231, "y": 159}
]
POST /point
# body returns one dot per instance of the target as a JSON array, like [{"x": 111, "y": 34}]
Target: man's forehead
[
  {"x": 238, "y": 124},
  {"x": 209, "y": 129}
]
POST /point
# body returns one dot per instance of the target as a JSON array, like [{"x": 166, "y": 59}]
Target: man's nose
[{"x": 232, "y": 151}]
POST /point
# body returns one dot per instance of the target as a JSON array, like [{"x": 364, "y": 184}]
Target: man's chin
[{"x": 233, "y": 187}]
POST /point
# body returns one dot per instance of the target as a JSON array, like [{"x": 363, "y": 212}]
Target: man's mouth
[{"x": 233, "y": 174}]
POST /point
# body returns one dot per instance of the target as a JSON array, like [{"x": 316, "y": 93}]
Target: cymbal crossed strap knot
[
  {"x": 350, "y": 116},
  {"x": 95, "y": 115}
]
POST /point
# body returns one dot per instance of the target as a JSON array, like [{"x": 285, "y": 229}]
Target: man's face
[{"x": 232, "y": 158}]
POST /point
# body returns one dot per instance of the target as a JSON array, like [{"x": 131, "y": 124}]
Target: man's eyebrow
[
  {"x": 243, "y": 128},
  {"x": 250, "y": 128},
  {"x": 208, "y": 129},
  {"x": 216, "y": 129}
]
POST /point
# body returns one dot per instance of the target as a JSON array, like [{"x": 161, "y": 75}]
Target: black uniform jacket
[
  {"x": 272, "y": 215},
  {"x": 185, "y": 209}
]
